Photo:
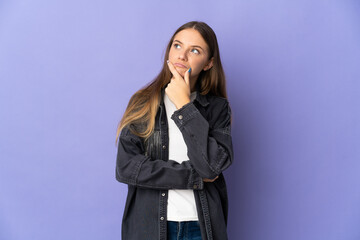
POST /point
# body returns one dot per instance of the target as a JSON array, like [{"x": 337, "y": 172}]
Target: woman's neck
[{"x": 193, "y": 85}]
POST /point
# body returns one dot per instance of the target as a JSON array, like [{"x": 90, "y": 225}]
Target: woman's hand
[
  {"x": 178, "y": 89},
  {"x": 210, "y": 180}
]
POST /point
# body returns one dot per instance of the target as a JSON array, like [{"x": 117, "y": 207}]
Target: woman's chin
[{"x": 181, "y": 71}]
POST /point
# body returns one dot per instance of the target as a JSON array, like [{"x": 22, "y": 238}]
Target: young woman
[{"x": 175, "y": 142}]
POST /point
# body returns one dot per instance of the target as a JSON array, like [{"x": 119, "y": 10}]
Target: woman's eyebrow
[{"x": 192, "y": 45}]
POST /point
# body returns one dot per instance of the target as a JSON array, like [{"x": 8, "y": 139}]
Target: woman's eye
[
  {"x": 176, "y": 45},
  {"x": 195, "y": 51}
]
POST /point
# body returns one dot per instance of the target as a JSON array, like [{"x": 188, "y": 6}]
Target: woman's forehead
[{"x": 190, "y": 37}]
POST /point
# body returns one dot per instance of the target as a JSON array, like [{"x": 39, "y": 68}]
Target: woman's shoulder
[
  {"x": 217, "y": 100},
  {"x": 218, "y": 111}
]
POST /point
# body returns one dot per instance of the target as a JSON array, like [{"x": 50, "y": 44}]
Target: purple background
[{"x": 68, "y": 69}]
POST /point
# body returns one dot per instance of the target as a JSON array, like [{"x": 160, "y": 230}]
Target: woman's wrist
[{"x": 182, "y": 104}]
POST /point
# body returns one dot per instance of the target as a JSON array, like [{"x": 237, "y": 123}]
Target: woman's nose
[{"x": 183, "y": 55}]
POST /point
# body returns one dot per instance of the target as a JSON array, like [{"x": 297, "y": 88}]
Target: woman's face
[{"x": 189, "y": 50}]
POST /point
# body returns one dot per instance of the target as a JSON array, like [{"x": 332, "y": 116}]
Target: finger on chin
[{"x": 173, "y": 69}]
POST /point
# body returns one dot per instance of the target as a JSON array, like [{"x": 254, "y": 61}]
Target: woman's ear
[{"x": 209, "y": 64}]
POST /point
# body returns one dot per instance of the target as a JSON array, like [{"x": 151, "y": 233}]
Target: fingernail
[{"x": 189, "y": 70}]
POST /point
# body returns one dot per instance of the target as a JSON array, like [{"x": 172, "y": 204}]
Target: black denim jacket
[{"x": 149, "y": 173}]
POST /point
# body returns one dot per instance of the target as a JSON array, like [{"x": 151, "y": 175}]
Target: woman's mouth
[{"x": 180, "y": 65}]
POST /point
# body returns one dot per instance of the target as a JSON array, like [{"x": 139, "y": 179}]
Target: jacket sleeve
[
  {"x": 209, "y": 143},
  {"x": 133, "y": 167}
]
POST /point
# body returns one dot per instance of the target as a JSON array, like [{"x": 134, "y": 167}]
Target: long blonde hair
[{"x": 144, "y": 104}]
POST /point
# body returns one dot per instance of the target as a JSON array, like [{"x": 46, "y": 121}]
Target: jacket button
[
  {"x": 162, "y": 218},
  {"x": 180, "y": 116},
  {"x": 164, "y": 146},
  {"x": 195, "y": 186},
  {"x": 163, "y": 194}
]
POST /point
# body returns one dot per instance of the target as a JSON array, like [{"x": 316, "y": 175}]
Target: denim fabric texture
[
  {"x": 149, "y": 173},
  {"x": 189, "y": 230}
]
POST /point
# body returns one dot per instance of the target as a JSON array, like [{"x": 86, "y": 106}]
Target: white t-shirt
[{"x": 181, "y": 202}]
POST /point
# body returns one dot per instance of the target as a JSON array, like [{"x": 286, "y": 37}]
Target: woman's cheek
[{"x": 195, "y": 71}]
